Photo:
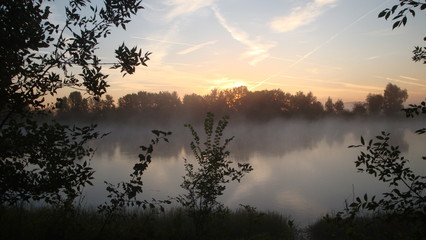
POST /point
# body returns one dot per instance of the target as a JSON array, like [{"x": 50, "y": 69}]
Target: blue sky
[{"x": 336, "y": 48}]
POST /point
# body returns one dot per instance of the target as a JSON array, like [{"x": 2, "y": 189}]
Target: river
[{"x": 302, "y": 169}]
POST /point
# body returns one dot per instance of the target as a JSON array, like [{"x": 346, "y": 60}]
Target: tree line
[{"x": 235, "y": 102}]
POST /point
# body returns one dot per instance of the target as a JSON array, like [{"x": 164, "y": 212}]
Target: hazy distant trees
[
  {"x": 305, "y": 105},
  {"x": 393, "y": 98},
  {"x": 148, "y": 102},
  {"x": 76, "y": 106},
  {"x": 236, "y": 102},
  {"x": 359, "y": 109},
  {"x": 390, "y": 103},
  {"x": 374, "y": 103},
  {"x": 74, "y": 103},
  {"x": 329, "y": 106},
  {"x": 339, "y": 106},
  {"x": 265, "y": 104}
]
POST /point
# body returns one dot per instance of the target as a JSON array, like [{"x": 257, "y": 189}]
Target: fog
[{"x": 302, "y": 169}]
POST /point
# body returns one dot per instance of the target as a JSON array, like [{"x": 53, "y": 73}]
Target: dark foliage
[
  {"x": 125, "y": 194},
  {"x": 401, "y": 13},
  {"x": 48, "y": 223},
  {"x": 206, "y": 181},
  {"x": 240, "y": 103},
  {"x": 42, "y": 160}
]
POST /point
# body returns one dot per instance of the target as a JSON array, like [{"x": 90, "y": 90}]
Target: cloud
[
  {"x": 256, "y": 51},
  {"x": 196, "y": 47},
  {"x": 409, "y": 78},
  {"x": 163, "y": 41},
  {"x": 182, "y": 7},
  {"x": 373, "y": 57},
  {"x": 301, "y": 16},
  {"x": 406, "y": 82}
]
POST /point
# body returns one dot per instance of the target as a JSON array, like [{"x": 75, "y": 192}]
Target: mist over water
[{"x": 302, "y": 169}]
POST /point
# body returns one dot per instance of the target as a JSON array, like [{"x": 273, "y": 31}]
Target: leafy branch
[
  {"x": 205, "y": 181},
  {"x": 124, "y": 194}
]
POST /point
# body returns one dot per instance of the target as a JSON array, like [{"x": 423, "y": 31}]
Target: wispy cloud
[
  {"x": 406, "y": 82},
  {"x": 256, "y": 51},
  {"x": 409, "y": 78},
  {"x": 320, "y": 2},
  {"x": 163, "y": 41},
  {"x": 192, "y": 47},
  {"x": 302, "y": 15},
  {"x": 373, "y": 57},
  {"x": 182, "y": 7},
  {"x": 196, "y": 47}
]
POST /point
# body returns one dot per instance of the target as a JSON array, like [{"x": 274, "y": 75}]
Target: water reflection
[{"x": 302, "y": 169}]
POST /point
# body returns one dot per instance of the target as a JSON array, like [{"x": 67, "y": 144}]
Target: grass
[
  {"x": 244, "y": 223},
  {"x": 52, "y": 223},
  {"x": 380, "y": 226}
]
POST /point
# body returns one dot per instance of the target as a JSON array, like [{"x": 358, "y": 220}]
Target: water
[{"x": 302, "y": 169}]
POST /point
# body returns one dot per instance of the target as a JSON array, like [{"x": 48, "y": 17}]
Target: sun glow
[{"x": 226, "y": 83}]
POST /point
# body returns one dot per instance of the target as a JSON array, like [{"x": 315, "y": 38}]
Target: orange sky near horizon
[{"x": 336, "y": 48}]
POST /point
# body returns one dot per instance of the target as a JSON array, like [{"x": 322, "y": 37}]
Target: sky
[{"x": 333, "y": 48}]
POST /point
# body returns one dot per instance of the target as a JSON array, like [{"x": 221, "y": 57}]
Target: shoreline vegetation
[
  {"x": 47, "y": 222},
  {"x": 238, "y": 103}
]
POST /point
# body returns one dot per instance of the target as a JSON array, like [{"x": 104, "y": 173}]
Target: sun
[{"x": 227, "y": 83}]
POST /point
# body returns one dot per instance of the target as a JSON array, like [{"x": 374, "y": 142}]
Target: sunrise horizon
[{"x": 332, "y": 48}]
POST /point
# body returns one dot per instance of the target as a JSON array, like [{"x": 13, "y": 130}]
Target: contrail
[
  {"x": 321, "y": 45},
  {"x": 165, "y": 41}
]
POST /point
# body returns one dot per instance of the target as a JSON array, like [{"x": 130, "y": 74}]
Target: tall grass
[
  {"x": 375, "y": 227},
  {"x": 52, "y": 223}
]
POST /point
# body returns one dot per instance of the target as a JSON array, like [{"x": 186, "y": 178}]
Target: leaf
[
  {"x": 404, "y": 20},
  {"x": 362, "y": 141},
  {"x": 396, "y": 24}
]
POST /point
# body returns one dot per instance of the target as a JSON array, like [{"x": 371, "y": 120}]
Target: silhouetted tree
[
  {"x": 233, "y": 97},
  {"x": 167, "y": 102},
  {"x": 194, "y": 105},
  {"x": 100, "y": 107},
  {"x": 329, "y": 106},
  {"x": 265, "y": 104},
  {"x": 359, "y": 109},
  {"x": 129, "y": 103},
  {"x": 339, "y": 106},
  {"x": 374, "y": 103},
  {"x": 305, "y": 105},
  {"x": 216, "y": 102},
  {"x": 393, "y": 98},
  {"x": 38, "y": 161},
  {"x": 77, "y": 103}
]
